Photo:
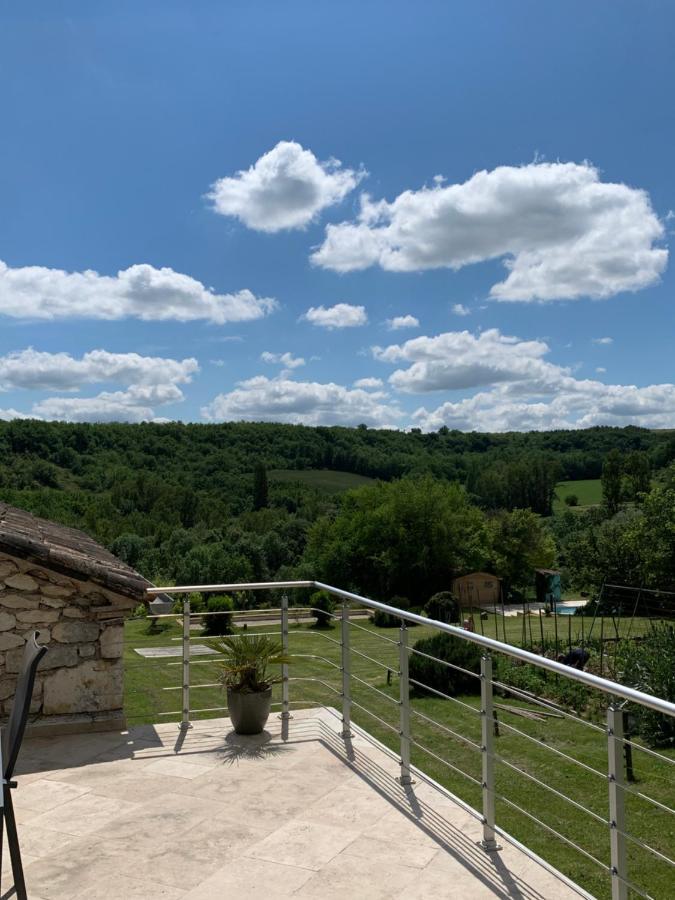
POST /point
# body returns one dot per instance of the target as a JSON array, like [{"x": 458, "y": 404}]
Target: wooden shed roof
[{"x": 67, "y": 551}]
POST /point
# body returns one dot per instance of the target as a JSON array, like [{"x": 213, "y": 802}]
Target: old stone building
[{"x": 61, "y": 583}]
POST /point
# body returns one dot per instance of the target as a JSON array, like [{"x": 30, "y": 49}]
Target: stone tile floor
[{"x": 151, "y": 813}]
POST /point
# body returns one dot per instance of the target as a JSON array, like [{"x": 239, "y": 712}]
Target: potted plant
[{"x": 245, "y": 674}]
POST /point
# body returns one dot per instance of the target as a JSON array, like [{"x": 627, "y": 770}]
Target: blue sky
[{"x": 192, "y": 148}]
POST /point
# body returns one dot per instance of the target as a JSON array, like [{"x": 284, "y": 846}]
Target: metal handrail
[
  {"x": 612, "y": 688},
  {"x": 613, "y": 732}
]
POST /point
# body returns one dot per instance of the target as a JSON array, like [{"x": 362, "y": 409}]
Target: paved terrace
[{"x": 152, "y": 814}]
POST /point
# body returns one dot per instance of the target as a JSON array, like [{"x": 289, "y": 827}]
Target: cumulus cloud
[
  {"x": 368, "y": 383},
  {"x": 342, "y": 315},
  {"x": 141, "y": 292},
  {"x": 35, "y": 370},
  {"x": 580, "y": 404},
  {"x": 302, "y": 402},
  {"x": 457, "y": 360},
  {"x": 460, "y": 310},
  {"x": 287, "y": 360},
  {"x": 561, "y": 231},
  {"x": 286, "y": 188},
  {"x": 133, "y": 405},
  {"x": 601, "y": 370},
  {"x": 147, "y": 382},
  {"x": 603, "y": 340},
  {"x": 399, "y": 322}
]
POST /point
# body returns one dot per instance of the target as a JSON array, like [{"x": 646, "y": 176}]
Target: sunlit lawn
[{"x": 146, "y": 699}]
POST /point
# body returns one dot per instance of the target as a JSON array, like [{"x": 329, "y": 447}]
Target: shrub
[
  {"x": 221, "y": 624},
  {"x": 649, "y": 666},
  {"x": 322, "y": 605},
  {"x": 443, "y": 607},
  {"x": 572, "y": 500},
  {"x": 386, "y": 620},
  {"x": 450, "y": 649}
]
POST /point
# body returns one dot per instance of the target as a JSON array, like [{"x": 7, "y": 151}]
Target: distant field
[
  {"x": 588, "y": 491},
  {"x": 321, "y": 479}
]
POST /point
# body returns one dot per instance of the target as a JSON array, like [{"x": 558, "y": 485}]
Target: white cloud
[
  {"x": 458, "y": 360},
  {"x": 141, "y": 292},
  {"x": 133, "y": 405},
  {"x": 6, "y": 415},
  {"x": 399, "y": 322},
  {"x": 35, "y": 370},
  {"x": 562, "y": 233},
  {"x": 368, "y": 383},
  {"x": 601, "y": 370},
  {"x": 287, "y": 360},
  {"x": 307, "y": 403},
  {"x": 460, "y": 310},
  {"x": 342, "y": 315},
  {"x": 578, "y": 404},
  {"x": 603, "y": 340},
  {"x": 148, "y": 381},
  {"x": 286, "y": 188}
]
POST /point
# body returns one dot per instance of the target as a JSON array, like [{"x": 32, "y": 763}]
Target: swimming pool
[{"x": 563, "y": 610}]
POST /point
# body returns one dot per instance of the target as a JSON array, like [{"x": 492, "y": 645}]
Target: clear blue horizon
[{"x": 193, "y": 149}]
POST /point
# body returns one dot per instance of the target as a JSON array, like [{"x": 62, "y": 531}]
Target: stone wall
[{"x": 80, "y": 679}]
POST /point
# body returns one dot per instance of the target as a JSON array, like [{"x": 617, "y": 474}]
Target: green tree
[
  {"x": 519, "y": 543},
  {"x": 406, "y": 537},
  {"x": 260, "y": 487},
  {"x": 637, "y": 475},
  {"x": 612, "y": 470}
]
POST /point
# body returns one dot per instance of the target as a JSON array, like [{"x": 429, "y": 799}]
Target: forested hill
[
  {"x": 192, "y": 503},
  {"x": 34, "y": 453}
]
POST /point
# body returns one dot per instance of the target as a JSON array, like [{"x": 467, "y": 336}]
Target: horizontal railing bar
[
  {"x": 392, "y": 669},
  {"x": 647, "y": 750},
  {"x": 612, "y": 688},
  {"x": 562, "y": 837},
  {"x": 633, "y": 887},
  {"x": 532, "y": 698},
  {"x": 212, "y": 588},
  {"x": 314, "y": 656},
  {"x": 443, "y": 662},
  {"x": 318, "y": 681},
  {"x": 445, "y": 728},
  {"x": 426, "y": 687},
  {"x": 320, "y": 634},
  {"x": 577, "y": 762},
  {"x": 373, "y": 688},
  {"x": 374, "y": 634},
  {"x": 380, "y": 720},
  {"x": 631, "y": 790},
  {"x": 445, "y": 762},
  {"x": 548, "y": 787},
  {"x": 639, "y": 843}
]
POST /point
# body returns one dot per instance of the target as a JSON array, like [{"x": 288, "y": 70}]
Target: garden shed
[
  {"x": 61, "y": 583},
  {"x": 477, "y": 589}
]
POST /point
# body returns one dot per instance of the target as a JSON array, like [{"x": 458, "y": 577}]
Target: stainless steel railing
[{"x": 617, "y": 788}]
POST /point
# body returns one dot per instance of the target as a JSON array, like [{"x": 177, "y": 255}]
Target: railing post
[
  {"x": 404, "y": 704},
  {"x": 285, "y": 702},
  {"x": 489, "y": 842},
  {"x": 617, "y": 811},
  {"x": 185, "y": 716},
  {"x": 346, "y": 674}
]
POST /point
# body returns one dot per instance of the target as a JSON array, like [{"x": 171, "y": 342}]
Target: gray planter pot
[{"x": 249, "y": 712}]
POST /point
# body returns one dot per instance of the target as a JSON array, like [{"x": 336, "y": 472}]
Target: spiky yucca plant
[{"x": 246, "y": 661}]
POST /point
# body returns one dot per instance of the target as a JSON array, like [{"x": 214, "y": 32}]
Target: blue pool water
[{"x": 565, "y": 610}]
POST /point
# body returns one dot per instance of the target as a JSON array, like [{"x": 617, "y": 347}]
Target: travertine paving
[{"x": 151, "y": 813}]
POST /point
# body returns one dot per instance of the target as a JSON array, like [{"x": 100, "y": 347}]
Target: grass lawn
[
  {"x": 589, "y": 492},
  {"x": 321, "y": 479},
  {"x": 146, "y": 698}
]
